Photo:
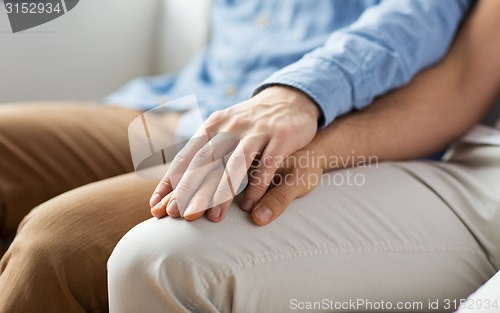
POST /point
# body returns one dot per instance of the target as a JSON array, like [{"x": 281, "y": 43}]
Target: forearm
[{"x": 438, "y": 106}]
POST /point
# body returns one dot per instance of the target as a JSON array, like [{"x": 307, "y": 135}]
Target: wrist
[{"x": 296, "y": 97}]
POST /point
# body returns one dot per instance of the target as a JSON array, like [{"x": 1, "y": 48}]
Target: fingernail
[
  {"x": 215, "y": 212},
  {"x": 172, "y": 205},
  {"x": 247, "y": 205},
  {"x": 155, "y": 199},
  {"x": 264, "y": 213},
  {"x": 190, "y": 210}
]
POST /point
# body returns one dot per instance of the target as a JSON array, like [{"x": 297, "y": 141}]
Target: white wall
[
  {"x": 98, "y": 46},
  {"x": 93, "y": 49},
  {"x": 183, "y": 31}
]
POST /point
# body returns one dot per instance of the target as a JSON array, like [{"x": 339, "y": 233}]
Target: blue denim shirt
[{"x": 342, "y": 53}]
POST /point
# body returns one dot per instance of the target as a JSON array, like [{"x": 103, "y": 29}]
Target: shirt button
[
  {"x": 230, "y": 91},
  {"x": 261, "y": 21}
]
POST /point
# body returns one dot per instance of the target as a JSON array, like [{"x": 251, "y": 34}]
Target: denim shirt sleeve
[{"x": 382, "y": 50}]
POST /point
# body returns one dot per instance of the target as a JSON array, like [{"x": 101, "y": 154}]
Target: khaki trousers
[
  {"x": 413, "y": 231},
  {"x": 57, "y": 261},
  {"x": 416, "y": 236}
]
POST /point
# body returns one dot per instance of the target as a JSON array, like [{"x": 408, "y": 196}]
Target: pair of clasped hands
[{"x": 255, "y": 138}]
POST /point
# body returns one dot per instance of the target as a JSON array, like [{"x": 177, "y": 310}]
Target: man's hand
[
  {"x": 299, "y": 175},
  {"x": 268, "y": 128}
]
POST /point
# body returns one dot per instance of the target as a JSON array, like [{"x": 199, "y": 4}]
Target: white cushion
[{"x": 486, "y": 299}]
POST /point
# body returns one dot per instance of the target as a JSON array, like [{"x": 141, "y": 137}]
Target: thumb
[
  {"x": 295, "y": 183},
  {"x": 273, "y": 203}
]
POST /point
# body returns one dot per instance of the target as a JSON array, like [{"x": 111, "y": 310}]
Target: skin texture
[{"x": 437, "y": 107}]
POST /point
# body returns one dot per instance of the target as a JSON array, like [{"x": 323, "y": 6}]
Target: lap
[
  {"x": 49, "y": 148},
  {"x": 393, "y": 238},
  {"x": 60, "y": 252}
]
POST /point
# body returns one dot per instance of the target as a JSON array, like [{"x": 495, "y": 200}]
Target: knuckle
[
  {"x": 183, "y": 187},
  {"x": 204, "y": 154},
  {"x": 259, "y": 183},
  {"x": 236, "y": 125},
  {"x": 165, "y": 183},
  {"x": 281, "y": 196},
  {"x": 238, "y": 157},
  {"x": 181, "y": 157},
  {"x": 261, "y": 187},
  {"x": 216, "y": 117}
]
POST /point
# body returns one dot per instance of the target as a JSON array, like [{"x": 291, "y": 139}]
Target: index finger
[{"x": 178, "y": 166}]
